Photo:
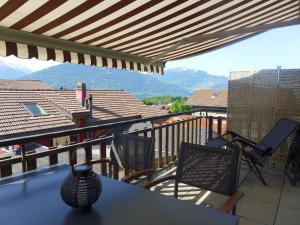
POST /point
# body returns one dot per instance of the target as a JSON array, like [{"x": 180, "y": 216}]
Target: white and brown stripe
[{"x": 141, "y": 28}]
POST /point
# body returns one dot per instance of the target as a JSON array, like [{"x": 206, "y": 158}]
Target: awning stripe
[
  {"x": 274, "y": 17},
  {"x": 170, "y": 38},
  {"x": 160, "y": 19},
  {"x": 29, "y": 51},
  {"x": 186, "y": 49}
]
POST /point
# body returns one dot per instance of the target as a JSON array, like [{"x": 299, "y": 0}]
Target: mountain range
[{"x": 175, "y": 82}]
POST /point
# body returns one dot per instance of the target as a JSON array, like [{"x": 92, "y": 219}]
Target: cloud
[{"x": 27, "y": 65}]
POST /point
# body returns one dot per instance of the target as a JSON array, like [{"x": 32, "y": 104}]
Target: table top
[{"x": 34, "y": 199}]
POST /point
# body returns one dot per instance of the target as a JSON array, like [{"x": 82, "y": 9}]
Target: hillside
[
  {"x": 193, "y": 80},
  {"x": 138, "y": 84}
]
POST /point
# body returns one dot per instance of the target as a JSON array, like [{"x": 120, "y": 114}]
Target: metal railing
[{"x": 200, "y": 127}]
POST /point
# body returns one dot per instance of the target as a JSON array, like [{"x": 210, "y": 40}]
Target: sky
[
  {"x": 266, "y": 51},
  {"x": 278, "y": 47}
]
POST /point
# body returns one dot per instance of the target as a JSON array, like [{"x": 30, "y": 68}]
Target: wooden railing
[{"x": 200, "y": 127}]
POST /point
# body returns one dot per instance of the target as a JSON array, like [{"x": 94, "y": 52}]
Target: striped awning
[{"x": 139, "y": 35}]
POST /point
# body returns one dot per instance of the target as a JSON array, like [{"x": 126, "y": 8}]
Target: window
[{"x": 34, "y": 109}]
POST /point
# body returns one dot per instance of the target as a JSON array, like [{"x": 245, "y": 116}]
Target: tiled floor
[{"x": 277, "y": 203}]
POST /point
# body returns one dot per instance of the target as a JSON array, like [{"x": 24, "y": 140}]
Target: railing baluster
[
  {"x": 178, "y": 140},
  {"x": 116, "y": 172},
  {"x": 103, "y": 156},
  {"x": 183, "y": 131},
  {"x": 193, "y": 121},
  {"x": 196, "y": 131},
  {"x": 53, "y": 159},
  {"x": 173, "y": 143},
  {"x": 206, "y": 127},
  {"x": 160, "y": 163},
  {"x": 167, "y": 146},
  {"x": 200, "y": 130},
  {"x": 219, "y": 125},
  {"x": 5, "y": 171},
  {"x": 88, "y": 151},
  {"x": 210, "y": 127},
  {"x": 30, "y": 163},
  {"x": 72, "y": 157},
  {"x": 24, "y": 169},
  {"x": 188, "y": 131}
]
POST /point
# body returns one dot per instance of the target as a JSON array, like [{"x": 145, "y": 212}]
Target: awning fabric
[{"x": 139, "y": 35}]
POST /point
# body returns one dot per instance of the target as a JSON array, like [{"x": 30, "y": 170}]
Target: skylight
[
  {"x": 34, "y": 109},
  {"x": 214, "y": 95}
]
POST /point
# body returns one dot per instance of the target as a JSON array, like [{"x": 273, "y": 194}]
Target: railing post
[
  {"x": 167, "y": 146},
  {"x": 53, "y": 159},
  {"x": 24, "y": 168},
  {"x": 192, "y": 133},
  {"x": 160, "y": 163},
  {"x": 219, "y": 130},
  {"x": 196, "y": 131},
  {"x": 173, "y": 143},
  {"x": 183, "y": 131},
  {"x": 88, "y": 151},
  {"x": 103, "y": 156},
  {"x": 210, "y": 127},
  {"x": 30, "y": 163},
  {"x": 72, "y": 157},
  {"x": 5, "y": 171},
  {"x": 178, "y": 140},
  {"x": 188, "y": 131}
]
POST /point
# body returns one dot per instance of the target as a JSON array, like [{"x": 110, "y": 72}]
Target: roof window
[{"x": 34, "y": 109}]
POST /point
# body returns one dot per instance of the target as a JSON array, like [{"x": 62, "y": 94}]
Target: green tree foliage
[
  {"x": 179, "y": 105},
  {"x": 162, "y": 100}
]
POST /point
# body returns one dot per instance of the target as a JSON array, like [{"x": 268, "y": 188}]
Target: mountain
[
  {"x": 192, "y": 80},
  {"x": 175, "y": 82},
  {"x": 10, "y": 72},
  {"x": 139, "y": 84}
]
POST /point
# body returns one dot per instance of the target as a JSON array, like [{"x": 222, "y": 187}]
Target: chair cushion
[{"x": 263, "y": 149}]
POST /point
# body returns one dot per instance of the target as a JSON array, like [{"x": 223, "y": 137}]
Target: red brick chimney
[{"x": 80, "y": 93}]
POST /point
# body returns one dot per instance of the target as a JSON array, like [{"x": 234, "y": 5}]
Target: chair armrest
[
  {"x": 159, "y": 180},
  {"x": 231, "y": 202},
  {"x": 129, "y": 178},
  {"x": 244, "y": 142}
]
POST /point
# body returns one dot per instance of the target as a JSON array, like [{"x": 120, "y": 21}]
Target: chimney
[{"x": 80, "y": 93}]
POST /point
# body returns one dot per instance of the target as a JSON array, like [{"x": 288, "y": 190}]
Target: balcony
[{"x": 274, "y": 203}]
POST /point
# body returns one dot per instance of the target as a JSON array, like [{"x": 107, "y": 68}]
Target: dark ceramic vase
[{"x": 81, "y": 188}]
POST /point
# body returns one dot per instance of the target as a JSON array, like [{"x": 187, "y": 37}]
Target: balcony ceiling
[{"x": 137, "y": 35}]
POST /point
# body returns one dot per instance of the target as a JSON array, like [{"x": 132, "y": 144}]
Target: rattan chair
[
  {"x": 257, "y": 153},
  {"x": 204, "y": 167},
  {"x": 132, "y": 152}
]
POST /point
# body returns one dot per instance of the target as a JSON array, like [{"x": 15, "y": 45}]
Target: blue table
[{"x": 34, "y": 199}]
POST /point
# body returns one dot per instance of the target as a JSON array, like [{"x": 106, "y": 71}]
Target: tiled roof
[
  {"x": 23, "y": 85},
  {"x": 69, "y": 106},
  {"x": 209, "y": 97},
  {"x": 16, "y": 120},
  {"x": 114, "y": 104},
  {"x": 61, "y": 107}
]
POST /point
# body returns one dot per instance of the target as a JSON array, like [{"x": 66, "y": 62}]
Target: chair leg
[
  {"x": 260, "y": 176},
  {"x": 176, "y": 189},
  {"x": 256, "y": 171}
]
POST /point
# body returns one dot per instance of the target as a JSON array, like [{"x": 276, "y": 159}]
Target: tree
[{"x": 179, "y": 105}]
